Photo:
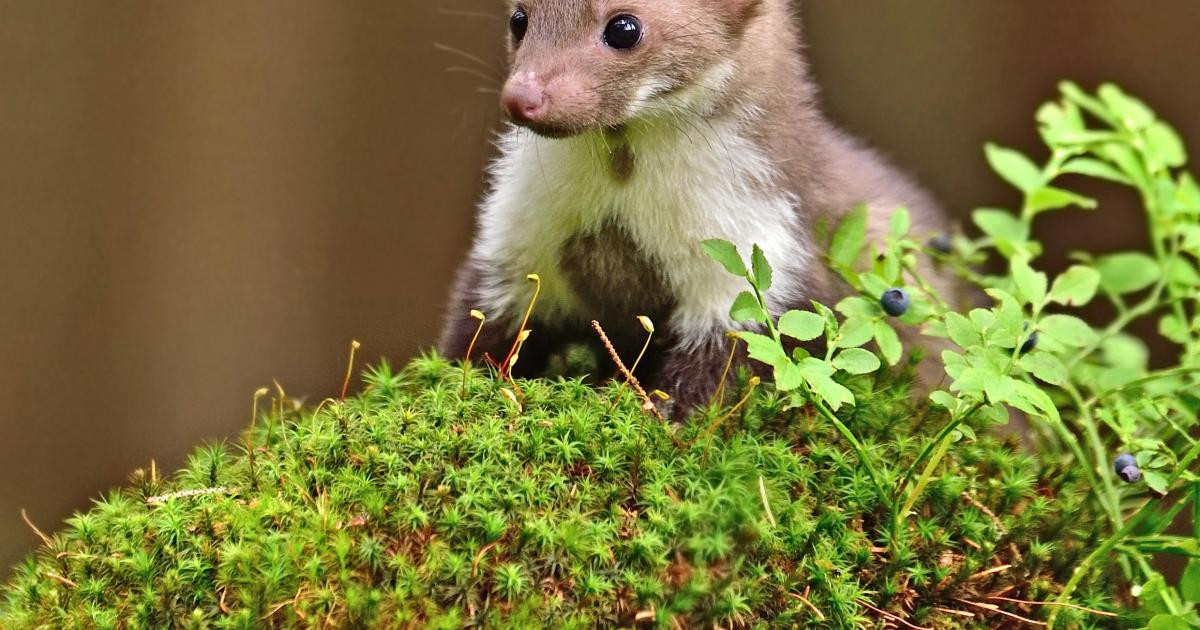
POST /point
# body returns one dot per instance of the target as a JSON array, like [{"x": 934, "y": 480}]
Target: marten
[{"x": 639, "y": 129}]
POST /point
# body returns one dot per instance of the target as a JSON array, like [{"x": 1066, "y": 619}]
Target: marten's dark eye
[
  {"x": 623, "y": 32},
  {"x": 518, "y": 24}
]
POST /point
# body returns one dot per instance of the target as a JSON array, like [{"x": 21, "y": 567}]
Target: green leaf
[
  {"x": 1051, "y": 198},
  {"x": 900, "y": 223},
  {"x": 943, "y": 398},
  {"x": 856, "y": 361},
  {"x": 819, "y": 376},
  {"x": 1045, "y": 367},
  {"x": 889, "y": 342},
  {"x": 764, "y": 349},
  {"x": 1000, "y": 224},
  {"x": 1041, "y": 401},
  {"x": 1123, "y": 350},
  {"x": 1075, "y": 286},
  {"x": 858, "y": 306},
  {"x": 788, "y": 376},
  {"x": 1014, "y": 167},
  {"x": 802, "y": 325},
  {"x": 746, "y": 309},
  {"x": 1174, "y": 329},
  {"x": 1187, "y": 194},
  {"x": 831, "y": 322},
  {"x": 1007, "y": 314},
  {"x": 873, "y": 284},
  {"x": 1125, "y": 158},
  {"x": 1127, "y": 273},
  {"x": 1032, "y": 284},
  {"x": 1189, "y": 584},
  {"x": 1068, "y": 330},
  {"x": 854, "y": 332},
  {"x": 762, "y": 270},
  {"x": 962, "y": 331},
  {"x": 1095, "y": 168},
  {"x": 1181, "y": 272},
  {"x": 1155, "y": 480},
  {"x": 1164, "y": 146},
  {"x": 849, "y": 238},
  {"x": 1086, "y": 101},
  {"x": 727, "y": 254},
  {"x": 1131, "y": 112},
  {"x": 1168, "y": 622}
]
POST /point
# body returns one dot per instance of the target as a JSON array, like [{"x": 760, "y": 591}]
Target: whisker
[
  {"x": 471, "y": 71},
  {"x": 475, "y": 14},
  {"x": 468, "y": 56}
]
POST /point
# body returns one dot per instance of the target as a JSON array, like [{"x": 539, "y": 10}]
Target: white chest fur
[{"x": 687, "y": 185}]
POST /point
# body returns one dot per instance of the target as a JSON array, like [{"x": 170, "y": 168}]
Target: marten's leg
[{"x": 691, "y": 372}]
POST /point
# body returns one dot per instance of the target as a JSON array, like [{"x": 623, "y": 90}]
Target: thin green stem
[
  {"x": 1149, "y": 378},
  {"x": 1102, "y": 551},
  {"x": 940, "y": 453},
  {"x": 1122, "y": 321},
  {"x": 933, "y": 445},
  {"x": 1110, "y": 499},
  {"x": 941, "y": 304},
  {"x": 1183, "y": 464},
  {"x": 863, "y": 455}
]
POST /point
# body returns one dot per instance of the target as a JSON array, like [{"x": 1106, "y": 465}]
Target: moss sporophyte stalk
[{"x": 820, "y": 490}]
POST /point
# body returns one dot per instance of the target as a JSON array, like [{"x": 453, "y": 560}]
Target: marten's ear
[{"x": 740, "y": 12}]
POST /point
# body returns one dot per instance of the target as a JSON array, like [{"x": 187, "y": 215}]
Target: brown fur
[{"x": 589, "y": 86}]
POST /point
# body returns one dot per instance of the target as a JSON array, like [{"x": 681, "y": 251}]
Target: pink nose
[{"x": 523, "y": 102}]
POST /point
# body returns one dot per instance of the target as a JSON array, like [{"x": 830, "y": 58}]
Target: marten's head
[{"x": 579, "y": 65}]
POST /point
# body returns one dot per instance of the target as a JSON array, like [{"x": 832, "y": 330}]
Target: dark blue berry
[
  {"x": 1131, "y": 474},
  {"x": 941, "y": 244},
  {"x": 1030, "y": 343},
  {"x": 1126, "y": 467},
  {"x": 895, "y": 302}
]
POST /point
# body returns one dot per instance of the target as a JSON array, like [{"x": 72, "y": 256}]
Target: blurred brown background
[{"x": 197, "y": 197}]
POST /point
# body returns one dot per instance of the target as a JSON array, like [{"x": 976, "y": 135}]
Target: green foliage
[
  {"x": 415, "y": 504},
  {"x": 1089, "y": 391},
  {"x": 832, "y": 498}
]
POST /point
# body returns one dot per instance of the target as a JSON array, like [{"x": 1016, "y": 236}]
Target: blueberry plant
[
  {"x": 1092, "y": 399},
  {"x": 833, "y": 495}
]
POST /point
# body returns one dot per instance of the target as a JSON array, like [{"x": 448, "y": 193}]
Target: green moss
[{"x": 413, "y": 504}]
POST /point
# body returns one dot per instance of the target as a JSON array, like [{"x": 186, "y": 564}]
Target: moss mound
[{"x": 412, "y": 504}]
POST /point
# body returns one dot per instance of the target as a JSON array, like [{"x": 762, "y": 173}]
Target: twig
[
  {"x": 476, "y": 314},
  {"x": 354, "y": 346},
  {"x": 1093, "y": 611},
  {"x": 506, "y": 364},
  {"x": 892, "y": 617},
  {"x": 719, "y": 395},
  {"x": 633, "y": 382},
  {"x": 804, "y": 600},
  {"x": 983, "y": 508},
  {"x": 44, "y": 537},
  {"x": 479, "y": 557},
  {"x": 649, "y": 328},
  {"x": 991, "y": 571},
  {"x": 708, "y": 431},
  {"x": 954, "y": 611},
  {"x": 60, "y": 579},
  {"x": 186, "y": 494},
  {"x": 996, "y": 609},
  {"x": 762, "y": 492}
]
